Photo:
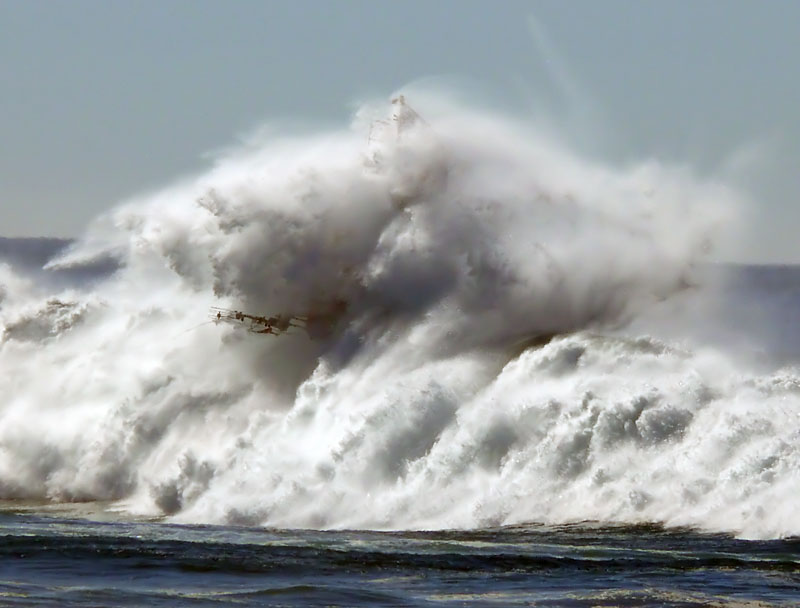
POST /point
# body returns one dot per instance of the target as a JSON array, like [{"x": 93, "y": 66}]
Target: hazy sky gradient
[{"x": 102, "y": 100}]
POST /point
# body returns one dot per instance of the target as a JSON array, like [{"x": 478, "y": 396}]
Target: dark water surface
[{"x": 48, "y": 561}]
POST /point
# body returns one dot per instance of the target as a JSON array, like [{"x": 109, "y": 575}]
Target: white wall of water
[{"x": 461, "y": 242}]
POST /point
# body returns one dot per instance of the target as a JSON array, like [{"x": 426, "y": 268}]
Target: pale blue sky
[{"x": 105, "y": 99}]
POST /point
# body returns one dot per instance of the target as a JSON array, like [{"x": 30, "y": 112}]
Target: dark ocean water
[{"x": 49, "y": 561}]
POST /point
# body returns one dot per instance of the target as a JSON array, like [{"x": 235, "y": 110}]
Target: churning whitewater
[{"x": 501, "y": 353}]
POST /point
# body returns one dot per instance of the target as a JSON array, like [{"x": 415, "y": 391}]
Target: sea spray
[{"x": 480, "y": 375}]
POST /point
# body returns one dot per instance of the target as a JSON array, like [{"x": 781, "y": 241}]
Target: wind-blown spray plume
[{"x": 464, "y": 380}]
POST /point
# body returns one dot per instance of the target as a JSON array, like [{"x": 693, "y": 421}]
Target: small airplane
[
  {"x": 318, "y": 323},
  {"x": 258, "y": 324}
]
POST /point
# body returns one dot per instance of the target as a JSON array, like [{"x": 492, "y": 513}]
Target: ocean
[
  {"x": 60, "y": 560},
  {"x": 433, "y": 358}
]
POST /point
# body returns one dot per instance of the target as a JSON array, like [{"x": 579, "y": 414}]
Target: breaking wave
[{"x": 482, "y": 368}]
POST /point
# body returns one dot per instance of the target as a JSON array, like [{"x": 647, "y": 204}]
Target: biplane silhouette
[{"x": 317, "y": 323}]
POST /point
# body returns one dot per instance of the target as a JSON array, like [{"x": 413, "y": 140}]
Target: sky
[{"x": 102, "y": 100}]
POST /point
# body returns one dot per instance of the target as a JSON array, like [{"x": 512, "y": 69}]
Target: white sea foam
[{"x": 461, "y": 243}]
